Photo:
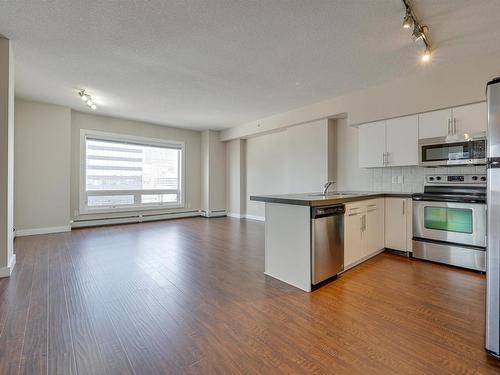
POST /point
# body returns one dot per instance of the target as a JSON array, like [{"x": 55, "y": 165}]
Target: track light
[
  {"x": 426, "y": 57},
  {"x": 87, "y": 99},
  {"x": 419, "y": 32},
  {"x": 407, "y": 21}
]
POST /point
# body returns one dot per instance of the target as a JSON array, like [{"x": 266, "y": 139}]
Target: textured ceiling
[{"x": 218, "y": 63}]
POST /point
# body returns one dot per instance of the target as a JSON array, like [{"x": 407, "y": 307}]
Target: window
[{"x": 120, "y": 173}]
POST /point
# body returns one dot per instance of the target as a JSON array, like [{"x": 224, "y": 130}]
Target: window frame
[{"x": 125, "y": 138}]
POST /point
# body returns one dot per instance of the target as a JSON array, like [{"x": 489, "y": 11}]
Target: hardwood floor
[{"x": 190, "y": 296}]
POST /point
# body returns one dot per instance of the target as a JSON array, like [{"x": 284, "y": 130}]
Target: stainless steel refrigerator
[{"x": 493, "y": 200}]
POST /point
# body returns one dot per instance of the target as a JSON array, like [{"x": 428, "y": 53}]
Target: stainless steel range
[{"x": 449, "y": 221}]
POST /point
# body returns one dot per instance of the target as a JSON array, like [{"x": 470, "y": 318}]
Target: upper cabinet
[
  {"x": 434, "y": 124},
  {"x": 402, "y": 141},
  {"x": 467, "y": 119},
  {"x": 372, "y": 144},
  {"x": 389, "y": 143},
  {"x": 470, "y": 119}
]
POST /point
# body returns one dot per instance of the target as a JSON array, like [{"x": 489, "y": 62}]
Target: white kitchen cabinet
[
  {"x": 470, "y": 119},
  {"x": 374, "y": 225},
  {"x": 353, "y": 234},
  {"x": 467, "y": 119},
  {"x": 402, "y": 141},
  {"x": 363, "y": 230},
  {"x": 434, "y": 124},
  {"x": 371, "y": 144},
  {"x": 398, "y": 216}
]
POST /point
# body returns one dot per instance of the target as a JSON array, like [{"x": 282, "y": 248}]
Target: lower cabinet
[
  {"x": 398, "y": 223},
  {"x": 363, "y": 230}
]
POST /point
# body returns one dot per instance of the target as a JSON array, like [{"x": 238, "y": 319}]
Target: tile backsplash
[{"x": 409, "y": 179}]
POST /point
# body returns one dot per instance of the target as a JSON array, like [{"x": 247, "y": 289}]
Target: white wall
[
  {"x": 434, "y": 86},
  {"x": 42, "y": 167},
  {"x": 291, "y": 161},
  {"x": 213, "y": 173},
  {"x": 192, "y": 139},
  {"x": 349, "y": 175},
  {"x": 7, "y": 258},
  {"x": 236, "y": 177},
  {"x": 217, "y": 170}
]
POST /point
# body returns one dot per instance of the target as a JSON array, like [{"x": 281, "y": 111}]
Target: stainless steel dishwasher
[{"x": 327, "y": 242}]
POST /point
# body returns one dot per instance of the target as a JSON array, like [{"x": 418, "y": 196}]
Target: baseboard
[
  {"x": 236, "y": 216},
  {"x": 352, "y": 265},
  {"x": 254, "y": 217},
  {"x": 7, "y": 271},
  {"x": 35, "y": 231}
]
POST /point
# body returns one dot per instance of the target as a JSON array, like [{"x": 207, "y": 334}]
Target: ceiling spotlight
[
  {"x": 84, "y": 96},
  {"x": 408, "y": 21},
  {"x": 417, "y": 32},
  {"x": 87, "y": 99},
  {"x": 426, "y": 57}
]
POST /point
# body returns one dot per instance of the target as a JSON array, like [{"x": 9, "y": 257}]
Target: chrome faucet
[{"x": 327, "y": 186}]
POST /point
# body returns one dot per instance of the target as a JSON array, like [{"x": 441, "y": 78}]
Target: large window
[{"x": 121, "y": 173}]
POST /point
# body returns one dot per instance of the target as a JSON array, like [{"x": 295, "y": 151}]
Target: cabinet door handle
[
  {"x": 403, "y": 208},
  {"x": 454, "y": 126},
  {"x": 449, "y": 126}
]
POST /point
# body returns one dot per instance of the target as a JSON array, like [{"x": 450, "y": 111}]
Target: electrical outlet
[{"x": 397, "y": 180}]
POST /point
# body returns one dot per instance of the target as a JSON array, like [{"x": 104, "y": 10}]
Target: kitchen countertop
[{"x": 318, "y": 199}]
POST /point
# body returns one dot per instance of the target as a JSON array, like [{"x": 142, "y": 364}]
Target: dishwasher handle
[{"x": 319, "y": 212}]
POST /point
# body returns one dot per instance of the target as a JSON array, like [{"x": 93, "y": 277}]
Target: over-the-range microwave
[{"x": 434, "y": 152}]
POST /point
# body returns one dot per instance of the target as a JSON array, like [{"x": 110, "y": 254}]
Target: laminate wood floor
[{"x": 190, "y": 297}]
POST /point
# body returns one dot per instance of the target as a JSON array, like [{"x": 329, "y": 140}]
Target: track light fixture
[
  {"x": 408, "y": 21},
  {"x": 87, "y": 99},
  {"x": 419, "y": 32}
]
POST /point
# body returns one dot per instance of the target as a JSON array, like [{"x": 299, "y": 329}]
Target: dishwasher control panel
[{"x": 317, "y": 212}]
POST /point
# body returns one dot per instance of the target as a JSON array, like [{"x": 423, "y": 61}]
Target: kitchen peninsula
[{"x": 312, "y": 237}]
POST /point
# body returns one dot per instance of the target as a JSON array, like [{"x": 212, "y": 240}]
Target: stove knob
[
  {"x": 438, "y": 178},
  {"x": 474, "y": 178},
  {"x": 483, "y": 178},
  {"x": 431, "y": 178}
]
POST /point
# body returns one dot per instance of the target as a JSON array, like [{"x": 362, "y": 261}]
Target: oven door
[{"x": 460, "y": 223}]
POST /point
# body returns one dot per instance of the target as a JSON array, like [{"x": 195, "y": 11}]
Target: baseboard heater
[{"x": 135, "y": 218}]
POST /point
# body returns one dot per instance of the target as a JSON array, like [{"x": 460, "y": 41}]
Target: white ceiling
[{"x": 218, "y": 63}]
